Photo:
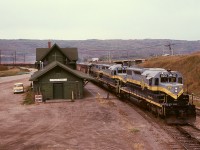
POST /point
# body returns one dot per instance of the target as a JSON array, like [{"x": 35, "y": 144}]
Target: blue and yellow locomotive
[
  {"x": 156, "y": 89},
  {"x": 160, "y": 91}
]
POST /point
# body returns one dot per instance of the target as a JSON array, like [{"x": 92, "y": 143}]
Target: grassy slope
[{"x": 188, "y": 65}]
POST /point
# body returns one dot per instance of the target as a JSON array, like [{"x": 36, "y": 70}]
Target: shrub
[
  {"x": 29, "y": 97},
  {"x": 3, "y": 68}
]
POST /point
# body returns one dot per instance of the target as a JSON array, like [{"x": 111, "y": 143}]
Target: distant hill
[
  {"x": 24, "y": 49},
  {"x": 188, "y": 65}
]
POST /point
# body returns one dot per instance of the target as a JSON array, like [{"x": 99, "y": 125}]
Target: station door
[{"x": 58, "y": 91}]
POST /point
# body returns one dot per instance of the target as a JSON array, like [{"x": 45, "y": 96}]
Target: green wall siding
[
  {"x": 73, "y": 83},
  {"x": 56, "y": 55},
  {"x": 47, "y": 90},
  {"x": 76, "y": 87}
]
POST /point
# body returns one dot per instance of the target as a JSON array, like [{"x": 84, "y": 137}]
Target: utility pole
[
  {"x": 163, "y": 51},
  {"x": 0, "y": 57},
  {"x": 24, "y": 58},
  {"x": 170, "y": 48},
  {"x": 15, "y": 57},
  {"x": 109, "y": 57}
]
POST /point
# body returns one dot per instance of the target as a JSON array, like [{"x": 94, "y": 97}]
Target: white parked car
[{"x": 18, "y": 88}]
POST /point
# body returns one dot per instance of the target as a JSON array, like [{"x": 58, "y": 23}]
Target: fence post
[{"x": 72, "y": 96}]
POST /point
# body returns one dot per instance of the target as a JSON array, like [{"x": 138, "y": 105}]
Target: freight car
[{"x": 155, "y": 89}]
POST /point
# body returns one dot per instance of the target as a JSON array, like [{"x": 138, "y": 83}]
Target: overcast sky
[{"x": 100, "y": 19}]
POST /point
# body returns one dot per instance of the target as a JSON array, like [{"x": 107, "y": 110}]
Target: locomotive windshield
[
  {"x": 172, "y": 79},
  {"x": 168, "y": 78},
  {"x": 121, "y": 70}
]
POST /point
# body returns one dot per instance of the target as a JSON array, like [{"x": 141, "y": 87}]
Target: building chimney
[{"x": 49, "y": 44}]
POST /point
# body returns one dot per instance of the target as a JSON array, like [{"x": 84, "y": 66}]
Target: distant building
[
  {"x": 95, "y": 59},
  {"x": 129, "y": 62},
  {"x": 166, "y": 55}
]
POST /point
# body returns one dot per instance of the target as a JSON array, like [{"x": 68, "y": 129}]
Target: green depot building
[{"x": 56, "y": 77}]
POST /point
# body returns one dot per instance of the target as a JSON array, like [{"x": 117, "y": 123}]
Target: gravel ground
[{"x": 92, "y": 123}]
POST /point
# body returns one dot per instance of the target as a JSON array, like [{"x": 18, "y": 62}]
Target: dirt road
[{"x": 94, "y": 123}]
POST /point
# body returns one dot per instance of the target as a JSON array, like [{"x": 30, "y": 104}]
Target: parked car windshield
[{"x": 18, "y": 85}]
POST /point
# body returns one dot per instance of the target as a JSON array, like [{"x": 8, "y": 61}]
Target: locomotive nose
[{"x": 176, "y": 89}]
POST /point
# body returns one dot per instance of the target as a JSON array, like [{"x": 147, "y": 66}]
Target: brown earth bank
[
  {"x": 188, "y": 65},
  {"x": 11, "y": 71},
  {"x": 92, "y": 123}
]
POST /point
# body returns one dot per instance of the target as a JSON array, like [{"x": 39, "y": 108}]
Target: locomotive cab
[{"x": 117, "y": 70}]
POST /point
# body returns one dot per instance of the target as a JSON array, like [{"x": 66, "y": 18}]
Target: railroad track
[
  {"x": 198, "y": 111},
  {"x": 193, "y": 131},
  {"x": 155, "y": 122},
  {"x": 184, "y": 136}
]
